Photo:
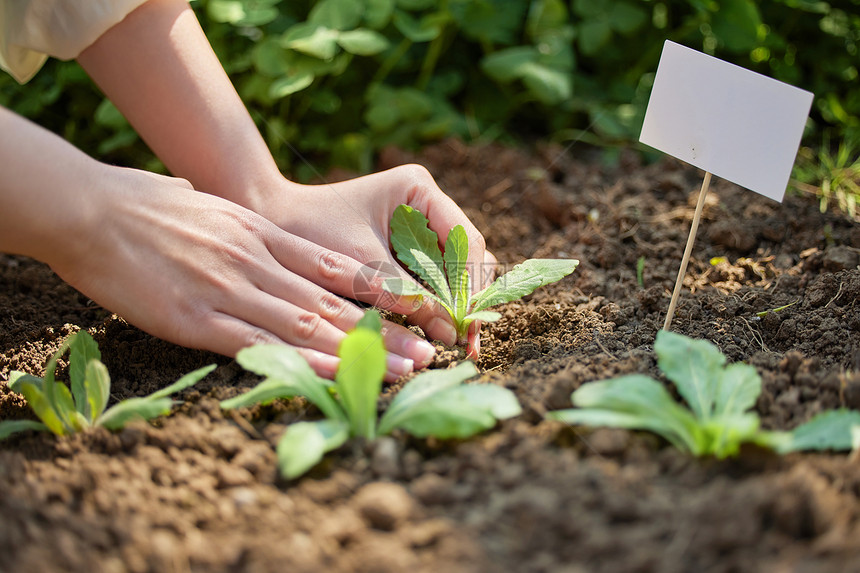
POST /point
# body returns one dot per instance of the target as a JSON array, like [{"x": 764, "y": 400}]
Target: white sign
[{"x": 729, "y": 121}]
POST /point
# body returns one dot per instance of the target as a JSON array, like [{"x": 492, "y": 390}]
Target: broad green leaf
[
  {"x": 293, "y": 374},
  {"x": 304, "y": 443},
  {"x": 508, "y": 64},
  {"x": 117, "y": 416},
  {"x": 644, "y": 402},
  {"x": 627, "y": 17},
  {"x": 82, "y": 349},
  {"x": 9, "y": 427},
  {"x": 96, "y": 389},
  {"x": 738, "y": 388},
  {"x": 695, "y": 366},
  {"x": 593, "y": 35},
  {"x": 362, "y": 42},
  {"x": 184, "y": 382},
  {"x": 829, "y": 430},
  {"x": 455, "y": 257},
  {"x": 290, "y": 84},
  {"x": 42, "y": 407},
  {"x": 483, "y": 315},
  {"x": 460, "y": 411},
  {"x": 523, "y": 279},
  {"x": 370, "y": 320},
  {"x": 416, "y": 30},
  {"x": 403, "y": 287},
  {"x": 418, "y": 248},
  {"x": 549, "y": 85},
  {"x": 597, "y": 417},
  {"x": 419, "y": 389},
  {"x": 736, "y": 24},
  {"x": 377, "y": 13},
  {"x": 359, "y": 378},
  {"x": 336, "y": 14},
  {"x": 311, "y": 39}
]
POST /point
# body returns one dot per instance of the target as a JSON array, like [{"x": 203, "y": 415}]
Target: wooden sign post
[{"x": 728, "y": 121}]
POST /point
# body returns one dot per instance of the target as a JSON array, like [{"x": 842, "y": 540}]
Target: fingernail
[
  {"x": 443, "y": 330},
  {"x": 399, "y": 365},
  {"x": 421, "y": 351}
]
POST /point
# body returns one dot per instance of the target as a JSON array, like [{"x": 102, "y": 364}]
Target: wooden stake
[{"x": 686, "y": 259}]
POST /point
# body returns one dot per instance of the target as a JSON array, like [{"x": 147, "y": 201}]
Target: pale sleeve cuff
[{"x": 32, "y": 30}]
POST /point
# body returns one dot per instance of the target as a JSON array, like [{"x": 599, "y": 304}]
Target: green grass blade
[
  {"x": 304, "y": 444},
  {"x": 523, "y": 279},
  {"x": 421, "y": 388},
  {"x": 184, "y": 382},
  {"x": 82, "y": 349},
  {"x": 417, "y": 247},
  {"x": 359, "y": 378},
  {"x": 9, "y": 427}
]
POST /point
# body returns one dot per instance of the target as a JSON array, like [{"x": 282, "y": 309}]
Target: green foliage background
[{"x": 332, "y": 81}]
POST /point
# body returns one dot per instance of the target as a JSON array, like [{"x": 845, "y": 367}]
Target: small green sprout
[
  {"x": 764, "y": 313},
  {"x": 66, "y": 411},
  {"x": 434, "y": 403},
  {"x": 720, "y": 397},
  {"x": 417, "y": 246},
  {"x": 640, "y": 271}
]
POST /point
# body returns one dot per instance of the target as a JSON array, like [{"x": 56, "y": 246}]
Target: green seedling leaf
[
  {"x": 304, "y": 444},
  {"x": 694, "y": 366},
  {"x": 634, "y": 402},
  {"x": 116, "y": 417},
  {"x": 359, "y": 377},
  {"x": 456, "y": 256},
  {"x": 522, "y": 280},
  {"x": 96, "y": 389},
  {"x": 9, "y": 427},
  {"x": 420, "y": 389},
  {"x": 38, "y": 401},
  {"x": 184, "y": 382},
  {"x": 18, "y": 378},
  {"x": 721, "y": 398},
  {"x": 418, "y": 248},
  {"x": 460, "y": 411},
  {"x": 829, "y": 430},
  {"x": 82, "y": 349},
  {"x": 287, "y": 374}
]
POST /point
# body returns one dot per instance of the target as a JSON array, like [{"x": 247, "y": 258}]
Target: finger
[{"x": 473, "y": 346}]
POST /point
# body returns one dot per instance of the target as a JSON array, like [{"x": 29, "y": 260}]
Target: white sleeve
[{"x": 32, "y": 30}]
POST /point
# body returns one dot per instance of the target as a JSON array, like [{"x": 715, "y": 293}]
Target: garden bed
[{"x": 199, "y": 490}]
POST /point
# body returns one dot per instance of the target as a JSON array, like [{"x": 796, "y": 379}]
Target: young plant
[
  {"x": 448, "y": 274},
  {"x": 434, "y": 403},
  {"x": 720, "y": 398},
  {"x": 67, "y": 411}
]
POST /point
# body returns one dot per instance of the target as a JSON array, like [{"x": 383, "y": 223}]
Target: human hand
[
  {"x": 203, "y": 272},
  {"x": 352, "y": 218}
]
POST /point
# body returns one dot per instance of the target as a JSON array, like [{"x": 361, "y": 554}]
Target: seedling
[
  {"x": 720, "y": 398},
  {"x": 434, "y": 403},
  {"x": 64, "y": 411},
  {"x": 764, "y": 313},
  {"x": 417, "y": 247}
]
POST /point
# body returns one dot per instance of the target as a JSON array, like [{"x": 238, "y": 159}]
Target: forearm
[
  {"x": 158, "y": 68},
  {"x": 47, "y": 190}
]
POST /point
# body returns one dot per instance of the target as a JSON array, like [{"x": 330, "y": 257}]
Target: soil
[{"x": 199, "y": 491}]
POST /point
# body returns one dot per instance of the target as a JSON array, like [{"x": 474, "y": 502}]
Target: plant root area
[{"x": 199, "y": 490}]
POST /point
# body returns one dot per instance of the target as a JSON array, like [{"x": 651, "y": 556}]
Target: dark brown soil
[{"x": 198, "y": 491}]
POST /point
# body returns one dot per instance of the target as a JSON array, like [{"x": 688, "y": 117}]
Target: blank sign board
[{"x": 729, "y": 121}]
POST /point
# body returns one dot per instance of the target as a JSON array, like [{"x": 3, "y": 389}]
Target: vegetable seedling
[
  {"x": 64, "y": 411},
  {"x": 434, "y": 403},
  {"x": 720, "y": 398},
  {"x": 417, "y": 247}
]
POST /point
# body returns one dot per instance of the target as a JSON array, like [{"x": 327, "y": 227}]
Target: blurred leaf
[
  {"x": 362, "y": 42},
  {"x": 736, "y": 24},
  {"x": 311, "y": 39},
  {"x": 336, "y": 14},
  {"x": 287, "y": 85}
]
